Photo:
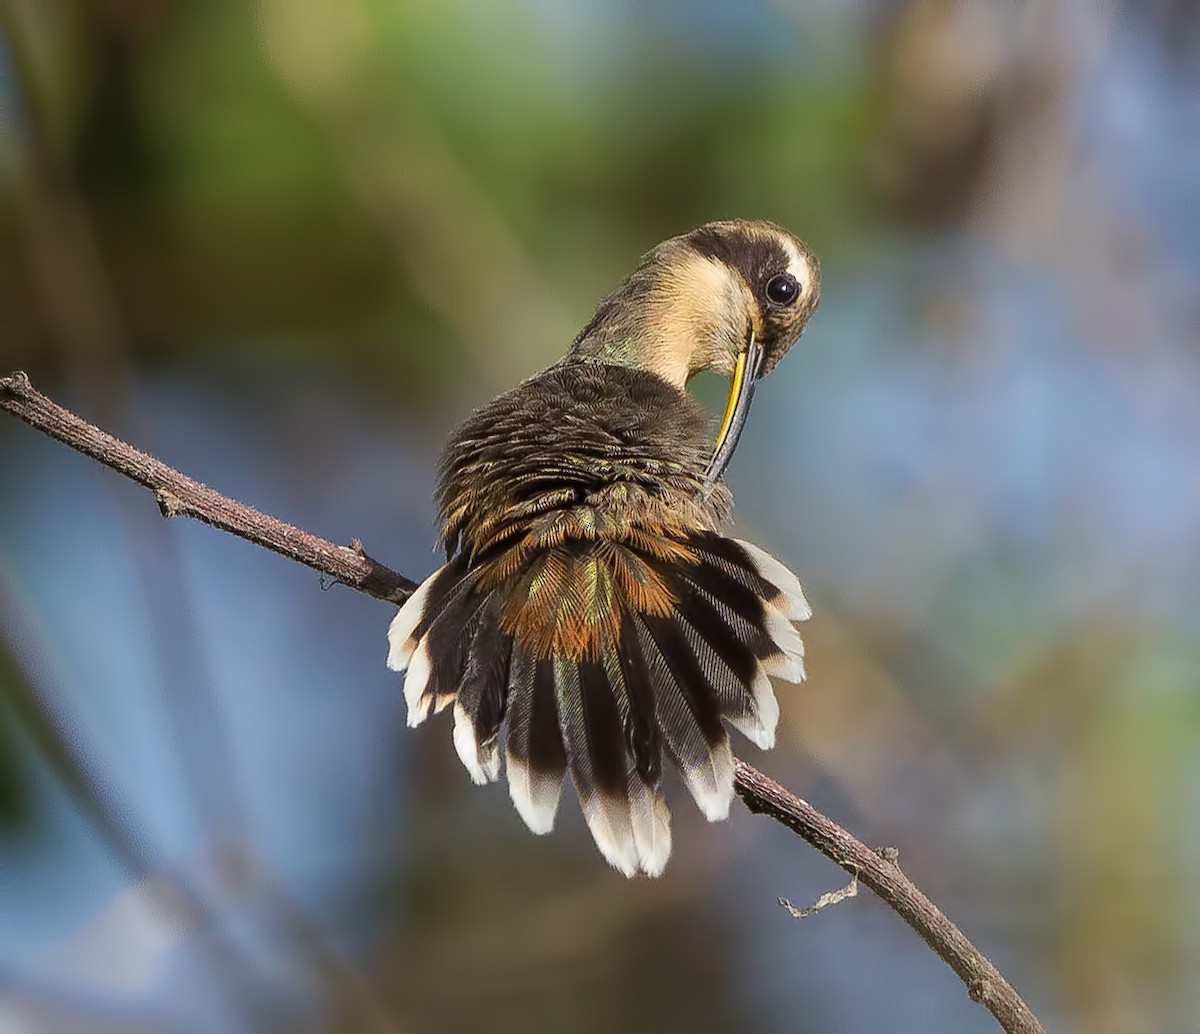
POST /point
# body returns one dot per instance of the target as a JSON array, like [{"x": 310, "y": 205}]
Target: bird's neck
[
  {"x": 670, "y": 321},
  {"x": 635, "y": 348}
]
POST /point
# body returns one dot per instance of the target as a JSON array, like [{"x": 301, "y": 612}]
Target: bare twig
[
  {"x": 832, "y": 897},
  {"x": 179, "y": 495}
]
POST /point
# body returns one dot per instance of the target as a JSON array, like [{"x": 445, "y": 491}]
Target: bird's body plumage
[{"x": 591, "y": 609}]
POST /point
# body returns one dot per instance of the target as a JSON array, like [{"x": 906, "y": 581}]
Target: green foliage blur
[{"x": 393, "y": 188}]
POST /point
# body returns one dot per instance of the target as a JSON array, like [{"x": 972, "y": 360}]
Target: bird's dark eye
[{"x": 782, "y": 289}]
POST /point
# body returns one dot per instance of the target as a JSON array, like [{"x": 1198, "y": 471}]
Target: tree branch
[
  {"x": 879, "y": 871},
  {"x": 179, "y": 495}
]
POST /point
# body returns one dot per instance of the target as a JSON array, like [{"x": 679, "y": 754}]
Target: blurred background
[{"x": 287, "y": 245}]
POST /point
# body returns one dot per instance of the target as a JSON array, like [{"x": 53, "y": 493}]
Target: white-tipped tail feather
[
  {"x": 401, "y": 641},
  {"x": 711, "y": 784},
  {"x": 651, "y": 828},
  {"x": 612, "y": 829},
  {"x": 415, "y": 681},
  {"x": 794, "y": 605},
  {"x": 534, "y": 795},
  {"x": 768, "y": 705},
  {"x": 482, "y": 761},
  {"x": 759, "y": 725},
  {"x": 788, "y": 664},
  {"x": 634, "y": 832}
]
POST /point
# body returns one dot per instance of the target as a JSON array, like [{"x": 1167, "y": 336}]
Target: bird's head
[{"x": 729, "y": 296}]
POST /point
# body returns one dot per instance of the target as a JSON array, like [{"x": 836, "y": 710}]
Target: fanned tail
[{"x": 597, "y": 657}]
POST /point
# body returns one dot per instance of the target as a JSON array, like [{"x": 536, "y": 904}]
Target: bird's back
[{"x": 618, "y": 441}]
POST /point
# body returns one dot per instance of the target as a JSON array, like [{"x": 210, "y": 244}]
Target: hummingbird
[{"x": 593, "y": 617}]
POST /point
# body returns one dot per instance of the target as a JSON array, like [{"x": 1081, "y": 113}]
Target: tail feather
[
  {"x": 441, "y": 655},
  {"x": 483, "y": 696},
  {"x": 702, "y": 754},
  {"x": 687, "y": 675},
  {"x": 595, "y": 656},
  {"x": 595, "y": 725},
  {"x": 413, "y": 619},
  {"x": 740, "y": 640},
  {"x": 788, "y": 662},
  {"x": 644, "y": 734},
  {"x": 758, "y": 613},
  {"x": 651, "y": 826},
  {"x": 594, "y": 738},
  {"x": 534, "y": 758},
  {"x": 450, "y": 639},
  {"x": 789, "y": 597},
  {"x": 739, "y": 703},
  {"x": 713, "y": 578}
]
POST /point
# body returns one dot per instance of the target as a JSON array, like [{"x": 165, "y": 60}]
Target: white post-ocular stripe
[{"x": 799, "y": 265}]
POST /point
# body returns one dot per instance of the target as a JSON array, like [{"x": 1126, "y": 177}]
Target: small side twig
[
  {"x": 179, "y": 495},
  {"x": 832, "y": 897}
]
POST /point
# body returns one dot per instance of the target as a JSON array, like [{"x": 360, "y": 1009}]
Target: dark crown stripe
[{"x": 755, "y": 256}]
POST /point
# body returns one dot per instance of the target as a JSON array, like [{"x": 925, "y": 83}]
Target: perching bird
[{"x": 591, "y": 614}]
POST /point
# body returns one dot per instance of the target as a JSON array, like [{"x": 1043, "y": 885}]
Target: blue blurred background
[{"x": 288, "y": 245}]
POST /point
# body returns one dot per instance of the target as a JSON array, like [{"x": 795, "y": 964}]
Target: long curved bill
[{"x": 737, "y": 407}]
